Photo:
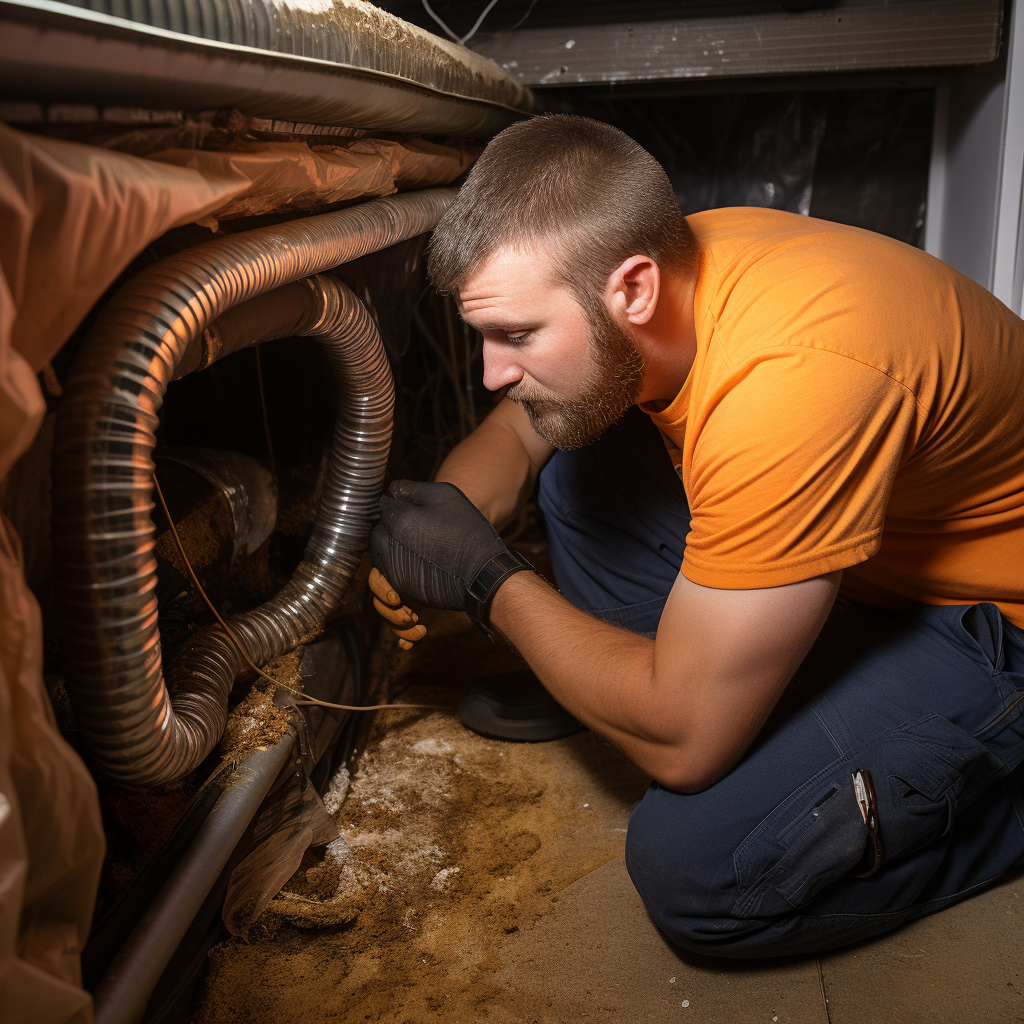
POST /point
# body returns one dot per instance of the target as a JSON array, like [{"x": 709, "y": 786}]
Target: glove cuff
[{"x": 484, "y": 586}]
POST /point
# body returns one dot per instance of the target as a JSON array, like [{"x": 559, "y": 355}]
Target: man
[{"x": 829, "y": 693}]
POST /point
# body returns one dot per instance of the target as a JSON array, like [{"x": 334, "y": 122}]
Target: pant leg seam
[{"x": 828, "y": 732}]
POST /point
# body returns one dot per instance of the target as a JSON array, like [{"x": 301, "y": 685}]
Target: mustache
[{"x": 525, "y": 396}]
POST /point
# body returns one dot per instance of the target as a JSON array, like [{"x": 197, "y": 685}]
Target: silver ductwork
[
  {"x": 140, "y": 730},
  {"x": 328, "y": 62}
]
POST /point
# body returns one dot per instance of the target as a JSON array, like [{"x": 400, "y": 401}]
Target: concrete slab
[
  {"x": 597, "y": 957},
  {"x": 963, "y": 965}
]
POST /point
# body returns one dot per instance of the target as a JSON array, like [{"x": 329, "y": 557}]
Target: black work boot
[{"x": 515, "y": 706}]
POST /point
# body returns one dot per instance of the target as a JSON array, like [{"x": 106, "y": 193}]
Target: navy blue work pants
[{"x": 929, "y": 700}]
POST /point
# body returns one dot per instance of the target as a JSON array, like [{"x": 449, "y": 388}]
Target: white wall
[{"x": 977, "y": 169}]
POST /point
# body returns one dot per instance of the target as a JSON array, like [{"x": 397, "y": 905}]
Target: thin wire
[
  {"x": 451, "y": 370},
  {"x": 430, "y": 11},
  {"x": 479, "y": 21},
  {"x": 304, "y": 698},
  {"x": 266, "y": 417},
  {"x": 529, "y": 11},
  {"x": 476, "y": 25}
]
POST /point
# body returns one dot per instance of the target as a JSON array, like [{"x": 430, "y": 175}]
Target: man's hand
[
  {"x": 433, "y": 545},
  {"x": 497, "y": 466},
  {"x": 403, "y": 619}
]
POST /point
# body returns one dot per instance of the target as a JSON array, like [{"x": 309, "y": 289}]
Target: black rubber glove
[{"x": 435, "y": 547}]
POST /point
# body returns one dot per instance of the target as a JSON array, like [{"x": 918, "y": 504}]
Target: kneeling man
[{"x": 781, "y": 467}]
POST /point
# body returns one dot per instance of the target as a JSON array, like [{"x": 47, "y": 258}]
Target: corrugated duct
[{"x": 104, "y": 567}]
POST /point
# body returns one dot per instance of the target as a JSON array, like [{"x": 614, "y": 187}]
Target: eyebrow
[{"x": 506, "y": 325}]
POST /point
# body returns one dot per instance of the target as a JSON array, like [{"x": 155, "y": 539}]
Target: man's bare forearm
[
  {"x": 494, "y": 467},
  {"x": 491, "y": 469},
  {"x": 601, "y": 674},
  {"x": 686, "y": 706}
]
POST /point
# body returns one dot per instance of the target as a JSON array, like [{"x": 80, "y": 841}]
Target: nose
[{"x": 500, "y": 369}]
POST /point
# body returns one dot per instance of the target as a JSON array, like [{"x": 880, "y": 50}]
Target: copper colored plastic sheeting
[
  {"x": 104, "y": 568},
  {"x": 51, "y": 836},
  {"x": 328, "y": 62},
  {"x": 285, "y": 177},
  {"x": 72, "y": 217}
]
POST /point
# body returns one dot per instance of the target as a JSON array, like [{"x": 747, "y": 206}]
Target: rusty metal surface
[
  {"x": 331, "y": 62},
  {"x": 853, "y": 35},
  {"x": 247, "y": 487}
]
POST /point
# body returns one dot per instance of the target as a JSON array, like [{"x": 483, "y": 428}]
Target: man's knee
[
  {"x": 731, "y": 879},
  {"x": 685, "y": 878}
]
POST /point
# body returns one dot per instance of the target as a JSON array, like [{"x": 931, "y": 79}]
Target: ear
[{"x": 633, "y": 289}]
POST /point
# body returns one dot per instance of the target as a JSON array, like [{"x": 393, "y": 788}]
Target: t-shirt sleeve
[{"x": 792, "y": 469}]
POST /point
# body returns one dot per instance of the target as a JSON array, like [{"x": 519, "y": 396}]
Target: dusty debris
[
  {"x": 257, "y": 723},
  {"x": 449, "y": 843},
  {"x": 336, "y": 792},
  {"x": 396, "y": 843},
  {"x": 205, "y": 533}
]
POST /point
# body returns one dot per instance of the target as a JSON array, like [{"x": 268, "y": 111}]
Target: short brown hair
[{"x": 583, "y": 186}]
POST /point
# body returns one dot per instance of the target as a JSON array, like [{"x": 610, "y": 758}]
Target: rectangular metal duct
[{"x": 850, "y": 35}]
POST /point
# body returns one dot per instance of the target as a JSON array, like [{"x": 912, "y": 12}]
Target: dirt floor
[
  {"x": 450, "y": 845},
  {"x": 477, "y": 880}
]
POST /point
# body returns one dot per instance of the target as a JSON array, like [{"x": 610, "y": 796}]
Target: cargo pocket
[
  {"x": 934, "y": 770},
  {"x": 923, "y": 772},
  {"x": 808, "y": 841}
]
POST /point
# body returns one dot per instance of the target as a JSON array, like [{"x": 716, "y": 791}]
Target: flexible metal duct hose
[{"x": 104, "y": 566}]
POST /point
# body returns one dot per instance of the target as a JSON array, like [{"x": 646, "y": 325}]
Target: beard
[{"x": 613, "y": 387}]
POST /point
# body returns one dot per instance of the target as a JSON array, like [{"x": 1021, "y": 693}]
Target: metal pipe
[
  {"x": 121, "y": 995},
  {"x": 104, "y": 568}
]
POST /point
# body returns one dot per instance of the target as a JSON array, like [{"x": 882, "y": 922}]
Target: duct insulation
[{"x": 324, "y": 62}]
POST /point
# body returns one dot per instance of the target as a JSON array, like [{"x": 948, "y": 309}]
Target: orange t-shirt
[{"x": 854, "y": 404}]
